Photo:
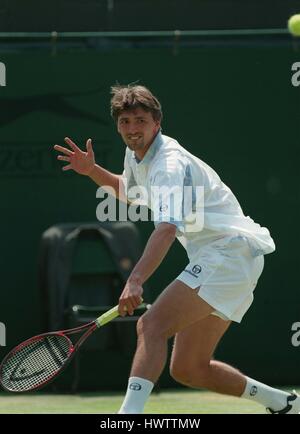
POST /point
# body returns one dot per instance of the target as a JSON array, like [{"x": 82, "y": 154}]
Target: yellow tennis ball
[{"x": 294, "y": 25}]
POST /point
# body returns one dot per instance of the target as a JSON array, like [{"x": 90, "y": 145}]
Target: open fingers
[
  {"x": 68, "y": 167},
  {"x": 89, "y": 147},
  {"x": 63, "y": 158},
  {"x": 72, "y": 145},
  {"x": 63, "y": 150}
]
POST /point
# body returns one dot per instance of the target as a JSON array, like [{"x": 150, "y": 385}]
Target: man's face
[{"x": 138, "y": 129}]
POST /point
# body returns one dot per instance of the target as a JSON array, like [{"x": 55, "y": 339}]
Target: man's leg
[
  {"x": 192, "y": 365},
  {"x": 176, "y": 308}
]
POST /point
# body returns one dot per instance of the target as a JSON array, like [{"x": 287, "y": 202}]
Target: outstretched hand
[{"x": 80, "y": 161}]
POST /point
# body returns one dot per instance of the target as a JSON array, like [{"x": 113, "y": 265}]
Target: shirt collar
[{"x": 154, "y": 147}]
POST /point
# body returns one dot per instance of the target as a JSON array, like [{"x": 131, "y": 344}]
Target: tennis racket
[{"x": 37, "y": 361}]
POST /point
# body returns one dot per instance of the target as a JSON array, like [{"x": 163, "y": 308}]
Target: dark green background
[
  {"x": 231, "y": 105},
  {"x": 99, "y": 15}
]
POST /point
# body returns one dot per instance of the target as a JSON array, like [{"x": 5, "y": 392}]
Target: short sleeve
[
  {"x": 167, "y": 195},
  {"x": 134, "y": 194}
]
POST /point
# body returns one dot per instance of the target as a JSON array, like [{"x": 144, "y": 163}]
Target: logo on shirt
[
  {"x": 253, "y": 391},
  {"x": 163, "y": 208}
]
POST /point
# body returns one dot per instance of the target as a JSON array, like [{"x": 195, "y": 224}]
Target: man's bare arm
[
  {"x": 156, "y": 249},
  {"x": 104, "y": 178}
]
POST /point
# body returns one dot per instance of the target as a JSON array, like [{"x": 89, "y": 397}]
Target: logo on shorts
[
  {"x": 135, "y": 386},
  {"x": 195, "y": 270},
  {"x": 253, "y": 391}
]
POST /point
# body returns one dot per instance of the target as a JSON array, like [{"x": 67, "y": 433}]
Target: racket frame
[{"x": 73, "y": 348}]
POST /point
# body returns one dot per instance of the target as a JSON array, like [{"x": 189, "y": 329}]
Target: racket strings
[{"x": 35, "y": 363}]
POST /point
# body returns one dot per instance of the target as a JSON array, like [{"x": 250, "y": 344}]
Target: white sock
[
  {"x": 138, "y": 392},
  {"x": 265, "y": 395}
]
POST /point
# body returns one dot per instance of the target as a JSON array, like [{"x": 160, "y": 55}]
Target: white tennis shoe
[{"x": 292, "y": 405}]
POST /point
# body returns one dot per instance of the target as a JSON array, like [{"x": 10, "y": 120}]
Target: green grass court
[{"x": 165, "y": 402}]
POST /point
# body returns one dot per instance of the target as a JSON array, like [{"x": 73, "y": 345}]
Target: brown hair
[{"x": 131, "y": 97}]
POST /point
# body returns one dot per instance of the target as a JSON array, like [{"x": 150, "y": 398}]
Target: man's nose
[{"x": 132, "y": 129}]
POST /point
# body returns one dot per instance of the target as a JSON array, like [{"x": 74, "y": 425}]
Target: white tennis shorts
[{"x": 226, "y": 274}]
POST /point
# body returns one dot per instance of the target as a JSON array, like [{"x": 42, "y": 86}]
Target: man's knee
[
  {"x": 190, "y": 374},
  {"x": 153, "y": 326},
  {"x": 146, "y": 327}
]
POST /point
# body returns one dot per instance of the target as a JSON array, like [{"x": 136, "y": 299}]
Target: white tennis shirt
[{"x": 204, "y": 210}]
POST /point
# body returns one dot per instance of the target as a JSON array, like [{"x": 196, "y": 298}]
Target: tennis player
[{"x": 225, "y": 250}]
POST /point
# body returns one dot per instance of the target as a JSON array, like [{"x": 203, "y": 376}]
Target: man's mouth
[{"x": 134, "y": 137}]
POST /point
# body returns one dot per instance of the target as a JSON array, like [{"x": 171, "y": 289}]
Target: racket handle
[
  {"x": 113, "y": 313},
  {"x": 107, "y": 316}
]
